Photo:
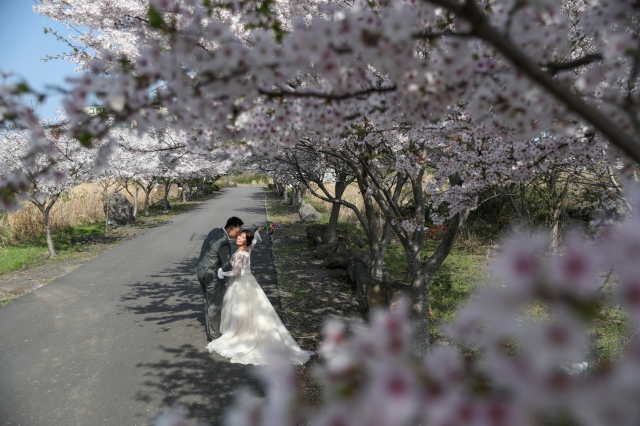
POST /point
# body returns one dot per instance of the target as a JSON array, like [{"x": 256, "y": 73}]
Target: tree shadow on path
[
  {"x": 190, "y": 375},
  {"x": 171, "y": 304}
]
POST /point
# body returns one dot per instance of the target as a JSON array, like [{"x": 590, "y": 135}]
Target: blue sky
[{"x": 22, "y": 45}]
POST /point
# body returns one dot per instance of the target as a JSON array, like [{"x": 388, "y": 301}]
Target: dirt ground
[{"x": 309, "y": 293}]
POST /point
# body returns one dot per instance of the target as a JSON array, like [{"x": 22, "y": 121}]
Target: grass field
[{"x": 31, "y": 251}]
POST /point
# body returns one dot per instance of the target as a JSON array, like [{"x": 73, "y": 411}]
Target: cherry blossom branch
[
  {"x": 470, "y": 11},
  {"x": 554, "y": 67},
  {"x": 429, "y": 35},
  {"x": 328, "y": 96}
]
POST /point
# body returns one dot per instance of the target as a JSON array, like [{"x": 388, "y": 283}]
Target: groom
[{"x": 215, "y": 253}]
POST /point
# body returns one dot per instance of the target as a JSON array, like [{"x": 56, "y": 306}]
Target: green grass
[
  {"x": 177, "y": 206},
  {"x": 611, "y": 330},
  {"x": 29, "y": 252},
  {"x": 298, "y": 294},
  {"x": 250, "y": 179},
  {"x": 452, "y": 284},
  {"x": 15, "y": 257}
]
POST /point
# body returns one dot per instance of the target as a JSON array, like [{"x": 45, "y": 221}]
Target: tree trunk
[
  {"x": 299, "y": 193},
  {"x": 330, "y": 234},
  {"x": 379, "y": 291},
  {"x": 106, "y": 216},
  {"x": 135, "y": 202},
  {"x": 421, "y": 276},
  {"x": 554, "y": 230},
  {"x": 165, "y": 200},
  {"x": 294, "y": 195},
  {"x": 47, "y": 227},
  {"x": 420, "y": 282},
  {"x": 184, "y": 192},
  {"x": 147, "y": 195}
]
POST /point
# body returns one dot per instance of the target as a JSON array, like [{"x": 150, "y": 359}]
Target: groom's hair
[
  {"x": 233, "y": 222},
  {"x": 249, "y": 235}
]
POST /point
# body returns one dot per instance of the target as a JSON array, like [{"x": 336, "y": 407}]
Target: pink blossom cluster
[
  {"x": 234, "y": 76},
  {"x": 17, "y": 119},
  {"x": 37, "y": 171},
  {"x": 245, "y": 78}
]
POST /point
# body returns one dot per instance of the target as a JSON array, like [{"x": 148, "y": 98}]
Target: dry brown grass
[
  {"x": 82, "y": 205},
  {"x": 351, "y": 194},
  {"x": 5, "y": 229}
]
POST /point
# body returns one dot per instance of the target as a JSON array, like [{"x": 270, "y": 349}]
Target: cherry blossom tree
[
  {"x": 16, "y": 118},
  {"x": 495, "y": 74},
  {"x": 307, "y": 165},
  {"x": 465, "y": 46},
  {"x": 67, "y": 163}
]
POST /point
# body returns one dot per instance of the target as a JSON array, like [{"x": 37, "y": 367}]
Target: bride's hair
[{"x": 249, "y": 235}]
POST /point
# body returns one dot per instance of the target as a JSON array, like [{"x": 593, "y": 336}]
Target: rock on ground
[
  {"x": 339, "y": 257},
  {"x": 120, "y": 210},
  {"x": 309, "y": 214},
  {"x": 315, "y": 235}
]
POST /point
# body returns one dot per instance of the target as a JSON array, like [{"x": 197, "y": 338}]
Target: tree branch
[
  {"x": 470, "y": 11},
  {"x": 554, "y": 67},
  {"x": 281, "y": 93}
]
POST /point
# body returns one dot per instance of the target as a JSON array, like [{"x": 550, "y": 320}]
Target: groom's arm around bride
[{"x": 215, "y": 253}]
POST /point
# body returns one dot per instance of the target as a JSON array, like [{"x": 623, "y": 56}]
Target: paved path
[{"x": 122, "y": 337}]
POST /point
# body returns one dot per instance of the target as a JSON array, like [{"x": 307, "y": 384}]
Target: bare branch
[
  {"x": 320, "y": 95},
  {"x": 555, "y": 67}
]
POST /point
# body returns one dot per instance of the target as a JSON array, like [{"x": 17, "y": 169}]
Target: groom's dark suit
[{"x": 215, "y": 253}]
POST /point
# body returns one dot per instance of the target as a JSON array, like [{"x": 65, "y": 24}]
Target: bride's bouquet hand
[
  {"x": 220, "y": 276},
  {"x": 269, "y": 226}
]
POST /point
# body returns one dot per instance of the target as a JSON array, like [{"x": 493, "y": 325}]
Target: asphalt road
[{"x": 122, "y": 337}]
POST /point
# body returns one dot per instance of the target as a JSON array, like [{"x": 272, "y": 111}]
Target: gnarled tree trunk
[
  {"x": 135, "y": 202},
  {"x": 340, "y": 187},
  {"x": 421, "y": 275},
  {"x": 299, "y": 192},
  {"x": 47, "y": 227},
  {"x": 165, "y": 200},
  {"x": 106, "y": 214},
  {"x": 184, "y": 192},
  {"x": 45, "y": 209}
]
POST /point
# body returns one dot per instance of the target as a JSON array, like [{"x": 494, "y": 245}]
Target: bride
[{"x": 251, "y": 329}]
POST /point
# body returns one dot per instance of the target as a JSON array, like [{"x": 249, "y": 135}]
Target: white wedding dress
[{"x": 251, "y": 329}]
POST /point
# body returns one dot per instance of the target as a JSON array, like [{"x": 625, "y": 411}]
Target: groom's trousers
[{"x": 213, "y": 289}]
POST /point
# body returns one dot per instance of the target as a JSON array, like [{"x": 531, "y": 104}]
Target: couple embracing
[{"x": 240, "y": 321}]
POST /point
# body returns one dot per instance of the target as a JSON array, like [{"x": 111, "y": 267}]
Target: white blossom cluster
[{"x": 265, "y": 78}]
